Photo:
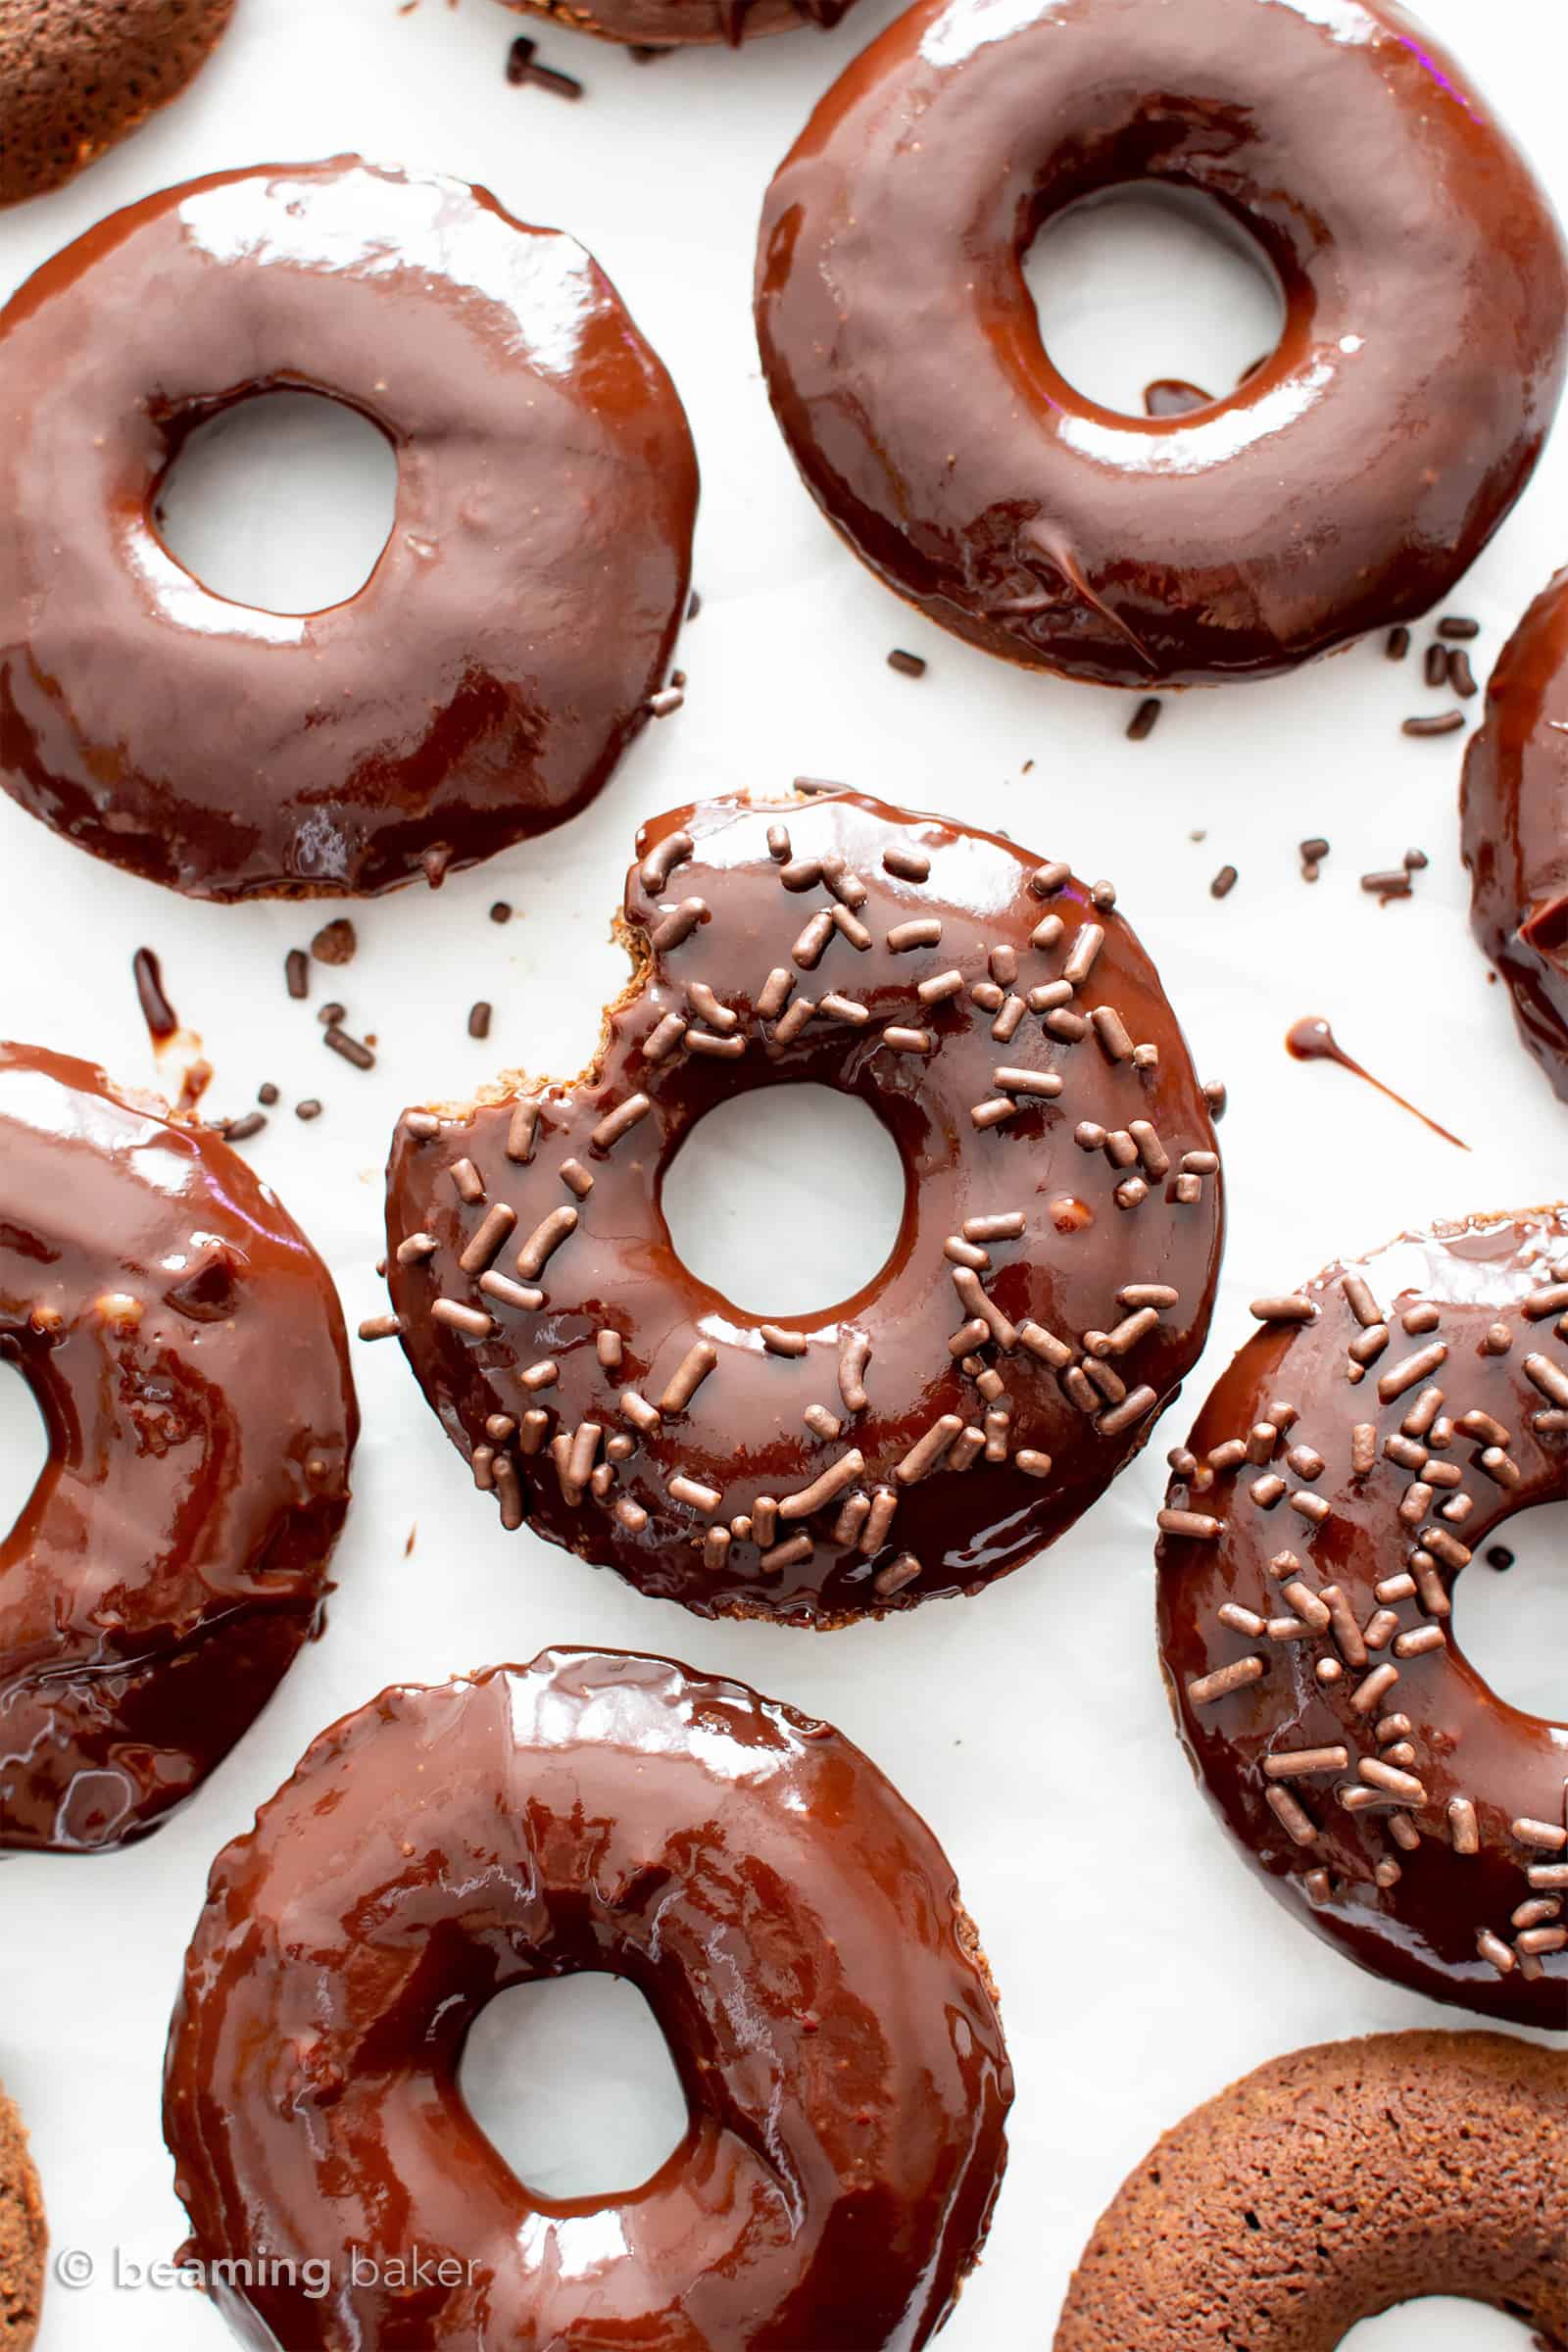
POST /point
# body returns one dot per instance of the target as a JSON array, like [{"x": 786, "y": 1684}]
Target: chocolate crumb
[
  {"x": 336, "y": 942},
  {"x": 519, "y": 56},
  {"x": 907, "y": 666},
  {"x": 501, "y": 912},
  {"x": 1313, "y": 852},
  {"x": 1417, "y": 862},
  {"x": 1498, "y": 1556},
  {"x": 479, "y": 1019},
  {"x": 329, "y": 1015},
  {"x": 1216, "y": 1095}
]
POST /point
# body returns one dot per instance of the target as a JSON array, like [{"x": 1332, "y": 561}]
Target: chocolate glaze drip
[
  {"x": 1514, "y": 828},
  {"x": 963, "y": 1408},
  {"x": 681, "y": 23},
  {"x": 1381, "y": 1442},
  {"x": 1343, "y": 486},
  {"x": 186, "y": 1350},
  {"x": 794, "y": 1926},
  {"x": 482, "y": 684},
  {"x": 1314, "y": 1040}
]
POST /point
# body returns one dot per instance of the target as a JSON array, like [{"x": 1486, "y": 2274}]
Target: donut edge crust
[{"x": 24, "y": 2235}]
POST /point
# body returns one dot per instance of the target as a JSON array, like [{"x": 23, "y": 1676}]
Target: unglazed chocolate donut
[
  {"x": 1330, "y": 2186},
  {"x": 185, "y": 1347},
  {"x": 77, "y": 77},
  {"x": 680, "y": 23},
  {"x": 1346, "y": 484},
  {"x": 1049, "y": 1288},
  {"x": 792, "y": 1925},
  {"x": 23, "y": 2235},
  {"x": 1514, "y": 814},
  {"x": 482, "y": 684},
  {"x": 1360, "y": 1449}
]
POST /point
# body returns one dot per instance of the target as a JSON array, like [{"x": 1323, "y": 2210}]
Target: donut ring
[
  {"x": 794, "y": 1926},
  {"x": 1350, "y": 480},
  {"x": 683, "y": 24},
  {"x": 23, "y": 2235},
  {"x": 1330, "y": 2187},
  {"x": 1050, "y": 1289},
  {"x": 1314, "y": 1529},
  {"x": 1514, "y": 818},
  {"x": 483, "y": 683},
  {"x": 77, "y": 77},
  {"x": 184, "y": 1345}
]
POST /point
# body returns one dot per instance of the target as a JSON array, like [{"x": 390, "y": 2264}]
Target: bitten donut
[
  {"x": 1346, "y": 484},
  {"x": 1515, "y": 828},
  {"x": 792, "y": 1925},
  {"x": 1050, "y": 1285},
  {"x": 77, "y": 77},
  {"x": 23, "y": 2237},
  {"x": 185, "y": 1348},
  {"x": 679, "y": 23},
  {"x": 1330, "y": 2186},
  {"x": 483, "y": 683},
  {"x": 1360, "y": 1451}
]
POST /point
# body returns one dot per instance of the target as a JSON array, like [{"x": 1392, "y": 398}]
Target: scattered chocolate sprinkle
[
  {"x": 157, "y": 1011},
  {"x": 479, "y": 1019},
  {"x": 350, "y": 1048},
  {"x": 1458, "y": 629},
  {"x": 780, "y": 1341},
  {"x": 267, "y": 1093},
  {"x": 1501, "y": 1558},
  {"x": 1437, "y": 665},
  {"x": 471, "y": 1322},
  {"x": 545, "y": 1238},
  {"x": 240, "y": 1131},
  {"x": 1224, "y": 882},
  {"x": 337, "y": 942},
  {"x": 309, "y": 1108},
  {"x": 297, "y": 972},
  {"x": 381, "y": 1327},
  {"x": 907, "y": 666},
  {"x": 1461, "y": 678},
  {"x": 620, "y": 1122},
  {"x": 1399, "y": 644},
  {"x": 909, "y": 865},
  {"x": 330, "y": 1015},
  {"x": 1144, "y": 719},
  {"x": 1390, "y": 883},
  {"x": 679, "y": 925},
  {"x": 1438, "y": 723}
]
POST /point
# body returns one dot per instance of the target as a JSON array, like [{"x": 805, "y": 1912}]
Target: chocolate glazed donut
[
  {"x": 1359, "y": 1451},
  {"x": 1049, "y": 1288},
  {"x": 186, "y": 1351},
  {"x": 1346, "y": 485},
  {"x": 1514, "y": 819},
  {"x": 681, "y": 23},
  {"x": 483, "y": 683},
  {"x": 795, "y": 1927}
]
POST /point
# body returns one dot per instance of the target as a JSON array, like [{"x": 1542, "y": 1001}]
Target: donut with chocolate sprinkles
[
  {"x": 654, "y": 25},
  {"x": 1050, "y": 1285},
  {"x": 1343, "y": 486},
  {"x": 185, "y": 1347},
  {"x": 509, "y": 645},
  {"x": 77, "y": 77},
  {"x": 1330, "y": 2186},
  {"x": 794, "y": 1926},
  {"x": 1514, "y": 828},
  {"x": 1369, "y": 1440}
]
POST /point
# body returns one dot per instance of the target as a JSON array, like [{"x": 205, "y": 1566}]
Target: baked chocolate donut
[
  {"x": 1330, "y": 2186},
  {"x": 483, "y": 683},
  {"x": 184, "y": 1345},
  {"x": 1361, "y": 1449},
  {"x": 1346, "y": 484},
  {"x": 77, "y": 77},
  {"x": 1514, "y": 818},
  {"x": 681, "y": 23},
  {"x": 23, "y": 2236},
  {"x": 794, "y": 1926},
  {"x": 1049, "y": 1288}
]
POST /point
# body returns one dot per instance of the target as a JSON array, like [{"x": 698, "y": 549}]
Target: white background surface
[{"x": 1139, "y": 1972}]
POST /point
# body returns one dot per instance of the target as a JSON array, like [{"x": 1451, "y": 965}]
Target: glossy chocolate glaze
[
  {"x": 794, "y": 1926},
  {"x": 1473, "y": 1328},
  {"x": 1343, "y": 486},
  {"x": 482, "y": 684},
  {"x": 994, "y": 1490},
  {"x": 186, "y": 1350},
  {"x": 1514, "y": 828},
  {"x": 681, "y": 23}
]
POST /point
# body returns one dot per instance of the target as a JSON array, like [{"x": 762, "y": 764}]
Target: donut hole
[
  {"x": 1510, "y": 1613},
  {"x": 786, "y": 1202},
  {"x": 1439, "y": 2324},
  {"x": 1148, "y": 296},
  {"x": 572, "y": 2082},
  {"x": 24, "y": 1448},
  {"x": 283, "y": 501}
]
